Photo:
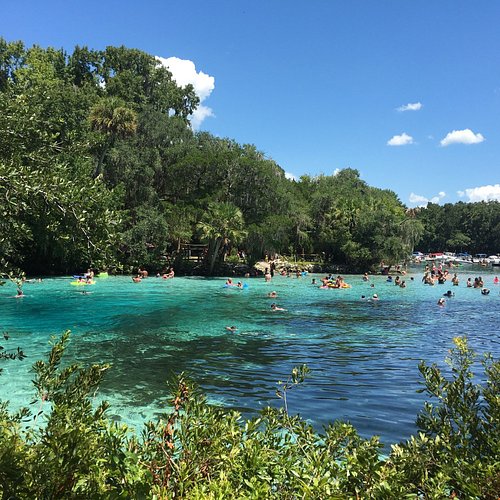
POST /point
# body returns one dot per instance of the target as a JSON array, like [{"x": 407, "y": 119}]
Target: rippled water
[{"x": 363, "y": 355}]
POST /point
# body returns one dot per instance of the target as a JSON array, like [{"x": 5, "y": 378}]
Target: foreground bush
[{"x": 69, "y": 449}]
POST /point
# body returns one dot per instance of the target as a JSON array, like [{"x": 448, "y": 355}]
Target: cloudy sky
[{"x": 408, "y": 93}]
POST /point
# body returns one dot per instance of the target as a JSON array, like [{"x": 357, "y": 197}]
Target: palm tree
[
  {"x": 112, "y": 119},
  {"x": 222, "y": 222}
]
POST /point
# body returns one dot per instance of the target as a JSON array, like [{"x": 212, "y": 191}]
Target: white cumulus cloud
[
  {"x": 411, "y": 106},
  {"x": 421, "y": 201},
  {"x": 482, "y": 193},
  {"x": 400, "y": 140},
  {"x": 184, "y": 73},
  {"x": 466, "y": 136},
  {"x": 290, "y": 176}
]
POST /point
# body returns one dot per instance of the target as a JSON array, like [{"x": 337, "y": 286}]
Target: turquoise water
[{"x": 363, "y": 355}]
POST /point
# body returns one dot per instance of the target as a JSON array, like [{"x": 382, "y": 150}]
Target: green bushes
[{"x": 69, "y": 449}]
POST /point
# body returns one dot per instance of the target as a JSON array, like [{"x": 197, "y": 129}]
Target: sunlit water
[{"x": 363, "y": 355}]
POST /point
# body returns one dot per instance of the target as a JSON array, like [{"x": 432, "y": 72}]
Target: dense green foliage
[
  {"x": 99, "y": 166},
  {"x": 461, "y": 227},
  {"x": 67, "y": 448}
]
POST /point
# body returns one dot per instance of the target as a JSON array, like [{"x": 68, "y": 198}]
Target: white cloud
[
  {"x": 466, "y": 136},
  {"x": 482, "y": 193},
  {"x": 335, "y": 172},
  {"x": 200, "y": 113},
  {"x": 290, "y": 176},
  {"x": 417, "y": 198},
  {"x": 421, "y": 201},
  {"x": 184, "y": 72},
  {"x": 415, "y": 106},
  {"x": 400, "y": 140}
]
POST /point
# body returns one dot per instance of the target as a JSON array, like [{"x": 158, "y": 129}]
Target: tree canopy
[{"x": 99, "y": 166}]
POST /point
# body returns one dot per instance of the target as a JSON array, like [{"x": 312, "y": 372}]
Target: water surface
[{"x": 363, "y": 355}]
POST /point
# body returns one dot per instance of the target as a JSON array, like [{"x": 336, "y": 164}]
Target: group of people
[
  {"x": 331, "y": 282},
  {"x": 397, "y": 281},
  {"x": 229, "y": 283},
  {"x": 143, "y": 273},
  {"x": 430, "y": 277}
]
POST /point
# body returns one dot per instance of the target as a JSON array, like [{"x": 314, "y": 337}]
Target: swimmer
[
  {"x": 20, "y": 293},
  {"x": 274, "y": 307},
  {"x": 272, "y": 294},
  {"x": 374, "y": 296},
  {"x": 441, "y": 302},
  {"x": 313, "y": 282},
  {"x": 231, "y": 328},
  {"x": 496, "y": 280},
  {"x": 449, "y": 293},
  {"x": 137, "y": 279},
  {"x": 485, "y": 291}
]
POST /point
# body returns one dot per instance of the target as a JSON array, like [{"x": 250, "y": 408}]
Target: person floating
[{"x": 275, "y": 307}]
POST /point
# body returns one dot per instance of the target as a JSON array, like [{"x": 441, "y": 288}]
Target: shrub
[{"x": 201, "y": 451}]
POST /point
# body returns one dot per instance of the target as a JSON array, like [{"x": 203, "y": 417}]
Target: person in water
[
  {"x": 274, "y": 307},
  {"x": 441, "y": 302},
  {"x": 272, "y": 294},
  {"x": 231, "y": 328},
  {"x": 449, "y": 293}
]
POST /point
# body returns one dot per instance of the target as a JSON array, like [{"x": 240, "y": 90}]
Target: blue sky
[{"x": 320, "y": 85}]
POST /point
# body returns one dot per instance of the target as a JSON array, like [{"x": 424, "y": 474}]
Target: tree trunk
[{"x": 214, "y": 255}]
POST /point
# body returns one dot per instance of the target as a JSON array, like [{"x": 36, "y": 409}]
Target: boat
[{"x": 494, "y": 260}]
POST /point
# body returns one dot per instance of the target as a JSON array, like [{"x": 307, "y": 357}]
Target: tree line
[{"x": 99, "y": 166}]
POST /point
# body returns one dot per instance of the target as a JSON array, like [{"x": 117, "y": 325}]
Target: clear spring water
[{"x": 363, "y": 355}]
